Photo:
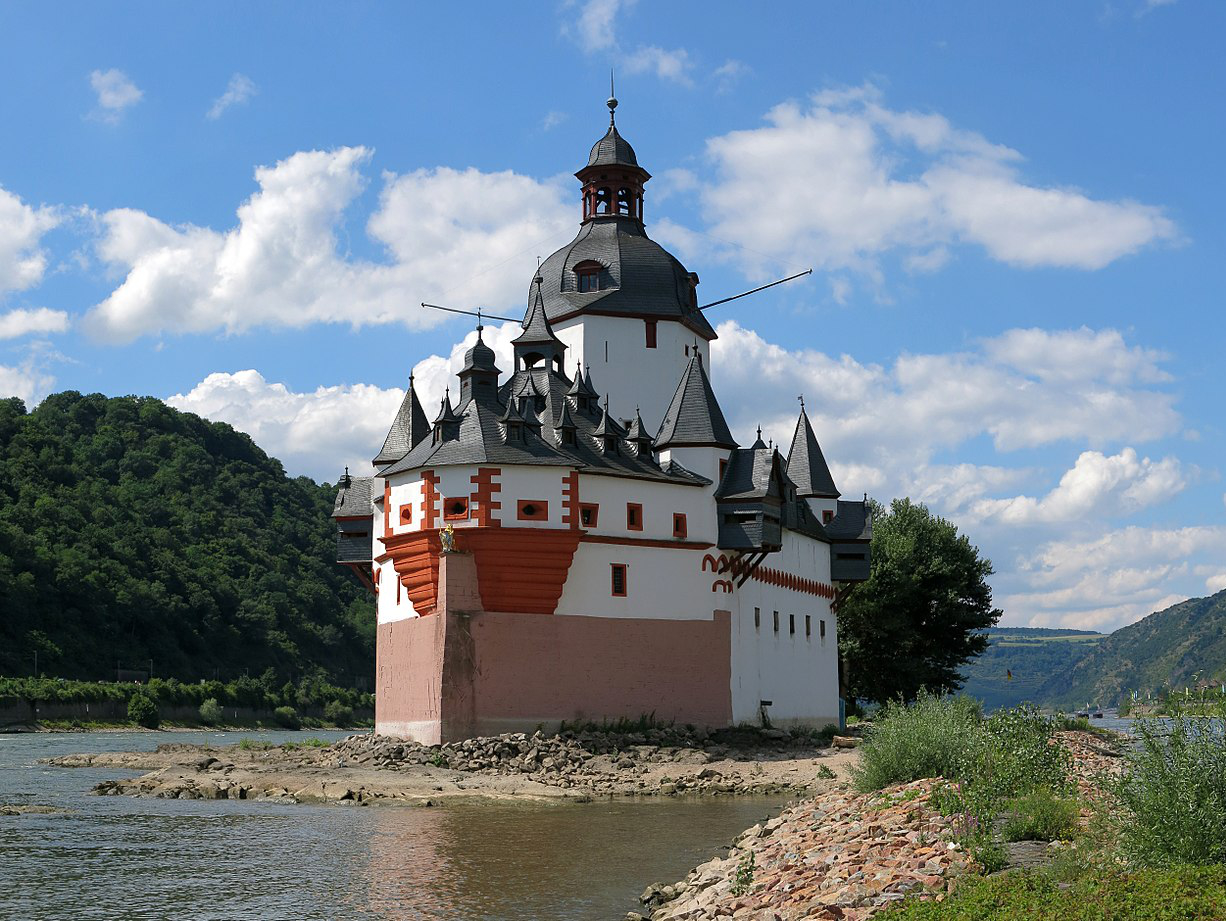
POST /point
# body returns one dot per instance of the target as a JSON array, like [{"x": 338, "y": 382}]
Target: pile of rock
[
  {"x": 840, "y": 855},
  {"x": 1093, "y": 759}
]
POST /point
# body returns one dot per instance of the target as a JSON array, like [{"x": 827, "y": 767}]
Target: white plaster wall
[
  {"x": 407, "y": 489},
  {"x": 661, "y": 583},
  {"x": 539, "y": 483},
  {"x": 629, "y": 372},
  {"x": 798, "y": 673},
  {"x": 659, "y": 500},
  {"x": 393, "y": 605},
  {"x": 818, "y": 506},
  {"x": 703, "y": 461}
]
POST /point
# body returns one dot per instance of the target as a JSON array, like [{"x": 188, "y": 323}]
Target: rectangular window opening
[
  {"x": 808, "y": 626},
  {"x": 679, "y": 526},
  {"x": 791, "y": 624},
  {"x": 533, "y": 510},
  {"x": 589, "y": 514},
  {"x": 634, "y": 516},
  {"x": 651, "y": 333},
  {"x": 406, "y": 514},
  {"x": 776, "y": 621},
  {"x": 455, "y": 509},
  {"x": 619, "y": 580},
  {"x": 821, "y": 631},
  {"x": 827, "y": 516},
  {"x": 757, "y": 618}
]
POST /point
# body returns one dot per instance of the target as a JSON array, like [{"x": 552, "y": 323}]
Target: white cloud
[
  {"x": 672, "y": 65},
  {"x": 29, "y": 380},
  {"x": 552, "y": 119},
  {"x": 728, "y": 74},
  {"x": 595, "y": 28},
  {"x": 115, "y": 91},
  {"x": 1096, "y": 485},
  {"x": 17, "y": 323},
  {"x": 238, "y": 90},
  {"x": 464, "y": 235},
  {"x": 1093, "y": 387},
  {"x": 841, "y": 181},
  {"x": 22, "y": 260},
  {"x": 1216, "y": 583}
]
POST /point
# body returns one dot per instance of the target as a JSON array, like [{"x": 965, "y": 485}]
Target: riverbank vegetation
[{"x": 1145, "y": 841}]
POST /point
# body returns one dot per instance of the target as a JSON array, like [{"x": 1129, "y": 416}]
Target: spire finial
[
  {"x": 612, "y": 103},
  {"x": 479, "y": 325},
  {"x": 759, "y": 433},
  {"x": 802, "y": 402},
  {"x": 410, "y": 380}
]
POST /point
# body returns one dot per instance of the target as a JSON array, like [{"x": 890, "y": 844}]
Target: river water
[{"x": 114, "y": 858}]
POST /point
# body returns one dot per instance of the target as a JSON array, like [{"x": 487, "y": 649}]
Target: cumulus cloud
[
  {"x": 464, "y": 234},
  {"x": 595, "y": 30},
  {"x": 319, "y": 432},
  {"x": 1096, "y": 485},
  {"x": 595, "y": 27},
  {"x": 842, "y": 180},
  {"x": 728, "y": 74},
  {"x": 116, "y": 93},
  {"x": 18, "y": 323},
  {"x": 30, "y": 380},
  {"x": 1093, "y": 387},
  {"x": 238, "y": 90},
  {"x": 22, "y": 259}
]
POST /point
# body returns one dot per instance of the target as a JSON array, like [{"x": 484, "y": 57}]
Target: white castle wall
[
  {"x": 536, "y": 483},
  {"x": 659, "y": 500},
  {"x": 622, "y": 365},
  {"x": 661, "y": 583}
]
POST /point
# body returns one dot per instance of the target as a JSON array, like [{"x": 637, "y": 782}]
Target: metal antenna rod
[
  {"x": 471, "y": 313},
  {"x": 756, "y": 290}
]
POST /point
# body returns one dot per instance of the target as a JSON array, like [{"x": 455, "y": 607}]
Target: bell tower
[{"x": 613, "y": 180}]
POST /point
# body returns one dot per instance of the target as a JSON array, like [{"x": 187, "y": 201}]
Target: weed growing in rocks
[
  {"x": 1041, "y": 816},
  {"x": 743, "y": 878},
  {"x": 1174, "y": 794},
  {"x": 824, "y": 773},
  {"x": 933, "y": 737}
]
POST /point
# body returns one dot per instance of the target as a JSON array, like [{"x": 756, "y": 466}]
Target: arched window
[
  {"x": 604, "y": 201},
  {"x": 625, "y": 200}
]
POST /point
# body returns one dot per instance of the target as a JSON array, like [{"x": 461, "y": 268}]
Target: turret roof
[
  {"x": 408, "y": 428},
  {"x": 807, "y": 466},
  {"x": 694, "y": 417}
]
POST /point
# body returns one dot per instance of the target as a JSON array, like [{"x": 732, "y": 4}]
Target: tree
[{"x": 923, "y": 611}]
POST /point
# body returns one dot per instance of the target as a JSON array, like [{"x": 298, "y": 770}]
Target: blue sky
[{"x": 1013, "y": 212}]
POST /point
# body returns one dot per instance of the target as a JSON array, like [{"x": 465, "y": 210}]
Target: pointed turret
[
  {"x": 566, "y": 426},
  {"x": 638, "y": 437},
  {"x": 479, "y": 376},
  {"x": 694, "y": 418},
  {"x": 608, "y": 433},
  {"x": 447, "y": 423},
  {"x": 806, "y": 465},
  {"x": 408, "y": 428},
  {"x": 537, "y": 343}
]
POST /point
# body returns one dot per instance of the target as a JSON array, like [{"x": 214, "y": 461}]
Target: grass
[
  {"x": 1183, "y": 894},
  {"x": 1041, "y": 816}
]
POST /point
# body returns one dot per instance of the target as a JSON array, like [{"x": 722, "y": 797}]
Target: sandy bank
[{"x": 366, "y": 769}]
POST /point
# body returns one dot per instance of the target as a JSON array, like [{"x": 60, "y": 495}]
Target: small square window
[
  {"x": 589, "y": 514},
  {"x": 619, "y": 580},
  {"x": 634, "y": 516},
  {"x": 792, "y": 624},
  {"x": 679, "y": 527},
  {"x": 533, "y": 510},
  {"x": 757, "y": 618},
  {"x": 827, "y": 516},
  {"x": 406, "y": 514},
  {"x": 455, "y": 509},
  {"x": 776, "y": 621}
]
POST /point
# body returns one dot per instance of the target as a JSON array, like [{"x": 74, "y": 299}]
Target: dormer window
[{"x": 587, "y": 277}]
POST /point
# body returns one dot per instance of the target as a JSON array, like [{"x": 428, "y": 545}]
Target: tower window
[
  {"x": 455, "y": 509},
  {"x": 827, "y": 516},
  {"x": 533, "y": 510},
  {"x": 776, "y": 621},
  {"x": 618, "y": 571},
  {"x": 808, "y": 626},
  {"x": 792, "y": 624},
  {"x": 651, "y": 333},
  {"x": 634, "y": 516},
  {"x": 589, "y": 514},
  {"x": 587, "y": 276},
  {"x": 406, "y": 514},
  {"x": 568, "y": 437},
  {"x": 821, "y": 631},
  {"x": 679, "y": 526},
  {"x": 757, "y": 618}
]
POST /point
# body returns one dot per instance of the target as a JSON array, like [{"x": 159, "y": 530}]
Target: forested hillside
[
  {"x": 1170, "y": 647},
  {"x": 132, "y": 532},
  {"x": 1020, "y": 663}
]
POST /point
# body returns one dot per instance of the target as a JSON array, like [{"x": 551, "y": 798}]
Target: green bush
[
  {"x": 1015, "y": 754},
  {"x": 932, "y": 737},
  {"x": 287, "y": 717},
  {"x": 210, "y": 712},
  {"x": 338, "y": 714},
  {"x": 1041, "y": 816},
  {"x": 1174, "y": 794},
  {"x": 1183, "y": 894},
  {"x": 144, "y": 712}
]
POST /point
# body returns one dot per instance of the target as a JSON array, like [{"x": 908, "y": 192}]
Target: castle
[{"x": 537, "y": 557}]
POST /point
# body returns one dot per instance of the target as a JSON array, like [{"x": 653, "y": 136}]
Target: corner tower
[{"x": 615, "y": 298}]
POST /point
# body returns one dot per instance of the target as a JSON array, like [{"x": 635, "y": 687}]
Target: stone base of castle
[{"x": 462, "y": 672}]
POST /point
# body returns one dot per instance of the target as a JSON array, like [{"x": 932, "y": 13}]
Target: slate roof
[
  {"x": 806, "y": 465},
  {"x": 756, "y": 500},
  {"x": 852, "y": 521},
  {"x": 612, "y": 150},
  {"x": 353, "y": 496},
  {"x": 536, "y": 328},
  {"x": 485, "y": 420},
  {"x": 694, "y": 417},
  {"x": 638, "y": 278},
  {"x": 408, "y": 428}
]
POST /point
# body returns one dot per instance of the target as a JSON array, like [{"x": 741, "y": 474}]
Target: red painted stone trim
[
  {"x": 415, "y": 556},
  {"x": 570, "y": 500},
  {"x": 484, "y": 490},
  {"x": 521, "y": 570},
  {"x": 539, "y": 510},
  {"x": 387, "y": 509},
  {"x": 429, "y": 497},
  {"x": 637, "y": 523},
  {"x": 794, "y": 582}
]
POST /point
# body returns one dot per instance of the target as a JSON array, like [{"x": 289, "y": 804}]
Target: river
[{"x": 121, "y": 859}]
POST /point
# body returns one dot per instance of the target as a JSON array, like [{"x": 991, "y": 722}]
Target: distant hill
[
  {"x": 130, "y": 531},
  {"x": 1033, "y": 655},
  {"x": 1168, "y": 647}
]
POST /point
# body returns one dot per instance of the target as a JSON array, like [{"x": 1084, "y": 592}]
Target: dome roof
[
  {"x": 480, "y": 357},
  {"x": 612, "y": 150},
  {"x": 638, "y": 277}
]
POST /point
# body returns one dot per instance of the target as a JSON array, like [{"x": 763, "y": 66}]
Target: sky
[{"x": 1013, "y": 213}]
